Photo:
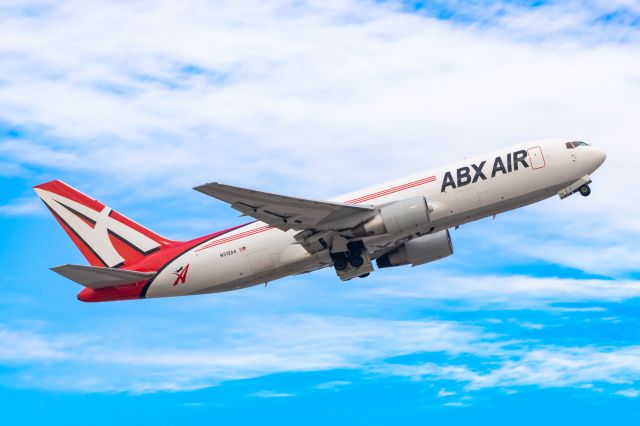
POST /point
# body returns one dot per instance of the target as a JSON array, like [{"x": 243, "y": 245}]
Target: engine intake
[
  {"x": 419, "y": 251},
  {"x": 397, "y": 218}
]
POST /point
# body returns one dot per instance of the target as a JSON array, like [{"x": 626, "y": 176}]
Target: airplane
[{"x": 402, "y": 222}]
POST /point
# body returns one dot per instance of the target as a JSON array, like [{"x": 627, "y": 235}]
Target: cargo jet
[{"x": 402, "y": 222}]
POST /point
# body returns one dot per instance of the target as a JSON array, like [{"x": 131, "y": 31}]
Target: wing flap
[{"x": 96, "y": 277}]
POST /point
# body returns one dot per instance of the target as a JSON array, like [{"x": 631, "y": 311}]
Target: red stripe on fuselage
[
  {"x": 235, "y": 237},
  {"x": 392, "y": 190}
]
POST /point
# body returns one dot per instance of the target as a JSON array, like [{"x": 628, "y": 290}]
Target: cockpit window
[{"x": 571, "y": 145}]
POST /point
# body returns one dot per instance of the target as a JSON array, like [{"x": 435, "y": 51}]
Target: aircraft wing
[{"x": 285, "y": 213}]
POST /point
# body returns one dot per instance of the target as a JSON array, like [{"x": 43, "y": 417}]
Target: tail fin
[{"x": 105, "y": 237}]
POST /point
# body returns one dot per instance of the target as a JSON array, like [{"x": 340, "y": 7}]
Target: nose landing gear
[
  {"x": 584, "y": 190},
  {"x": 581, "y": 186}
]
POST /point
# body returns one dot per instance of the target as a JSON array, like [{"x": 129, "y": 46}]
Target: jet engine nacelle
[
  {"x": 397, "y": 218},
  {"x": 419, "y": 251}
]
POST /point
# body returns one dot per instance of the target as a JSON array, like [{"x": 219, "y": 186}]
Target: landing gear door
[{"x": 536, "y": 158}]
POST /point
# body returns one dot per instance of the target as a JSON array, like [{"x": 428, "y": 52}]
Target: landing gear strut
[{"x": 584, "y": 190}]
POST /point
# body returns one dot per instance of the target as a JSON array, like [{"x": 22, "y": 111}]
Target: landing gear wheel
[
  {"x": 340, "y": 264},
  {"x": 339, "y": 261},
  {"x": 356, "y": 261},
  {"x": 585, "y": 191},
  {"x": 364, "y": 275}
]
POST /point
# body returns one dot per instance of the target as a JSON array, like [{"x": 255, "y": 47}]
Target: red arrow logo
[{"x": 181, "y": 275}]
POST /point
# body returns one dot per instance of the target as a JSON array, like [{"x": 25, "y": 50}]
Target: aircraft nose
[{"x": 598, "y": 157}]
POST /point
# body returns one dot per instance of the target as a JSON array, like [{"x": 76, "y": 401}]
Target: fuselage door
[{"x": 536, "y": 158}]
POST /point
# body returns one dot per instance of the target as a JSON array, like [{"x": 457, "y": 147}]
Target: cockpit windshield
[{"x": 571, "y": 145}]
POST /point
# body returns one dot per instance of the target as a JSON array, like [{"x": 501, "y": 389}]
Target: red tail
[{"x": 105, "y": 237}]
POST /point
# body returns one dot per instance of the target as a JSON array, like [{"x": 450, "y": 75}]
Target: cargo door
[{"x": 536, "y": 158}]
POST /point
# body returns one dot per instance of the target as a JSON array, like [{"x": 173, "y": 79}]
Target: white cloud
[
  {"x": 29, "y": 346},
  {"x": 335, "y": 384},
  {"x": 557, "y": 234},
  {"x": 190, "y": 87},
  {"x": 304, "y": 97},
  {"x": 531, "y": 325},
  {"x": 286, "y": 95},
  {"x": 22, "y": 207},
  {"x": 284, "y": 344},
  {"x": 455, "y": 404},
  {"x": 110, "y": 361},
  {"x": 545, "y": 367},
  {"x": 629, "y": 393},
  {"x": 444, "y": 393},
  {"x": 271, "y": 394},
  {"x": 564, "y": 366},
  {"x": 501, "y": 292}
]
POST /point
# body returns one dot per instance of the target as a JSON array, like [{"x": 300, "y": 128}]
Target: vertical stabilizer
[{"x": 105, "y": 237}]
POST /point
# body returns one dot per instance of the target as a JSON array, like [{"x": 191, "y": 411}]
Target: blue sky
[{"x": 535, "y": 318}]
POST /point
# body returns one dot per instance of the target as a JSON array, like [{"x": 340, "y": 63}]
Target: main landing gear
[
  {"x": 353, "y": 257},
  {"x": 584, "y": 190},
  {"x": 355, "y": 262}
]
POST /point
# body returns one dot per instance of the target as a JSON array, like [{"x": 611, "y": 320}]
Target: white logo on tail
[{"x": 97, "y": 237}]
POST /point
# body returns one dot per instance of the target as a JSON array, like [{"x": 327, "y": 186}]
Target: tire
[
  {"x": 585, "y": 191},
  {"x": 364, "y": 275},
  {"x": 356, "y": 261},
  {"x": 340, "y": 264}
]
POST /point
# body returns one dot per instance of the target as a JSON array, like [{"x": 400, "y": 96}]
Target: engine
[
  {"x": 397, "y": 218},
  {"x": 419, "y": 251}
]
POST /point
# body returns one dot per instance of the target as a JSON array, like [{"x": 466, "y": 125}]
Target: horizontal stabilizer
[{"x": 95, "y": 277}]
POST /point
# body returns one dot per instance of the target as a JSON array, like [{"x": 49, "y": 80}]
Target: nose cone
[{"x": 597, "y": 157}]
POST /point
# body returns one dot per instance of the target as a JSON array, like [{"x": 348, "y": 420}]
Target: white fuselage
[{"x": 456, "y": 194}]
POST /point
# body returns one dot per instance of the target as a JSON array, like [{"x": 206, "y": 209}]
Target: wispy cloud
[
  {"x": 290, "y": 344},
  {"x": 629, "y": 393},
  {"x": 455, "y": 404},
  {"x": 22, "y": 207},
  {"x": 503, "y": 291},
  {"x": 176, "y": 98},
  {"x": 341, "y": 92},
  {"x": 475, "y": 358},
  {"x": 444, "y": 393},
  {"x": 545, "y": 367},
  {"x": 335, "y": 384},
  {"x": 173, "y": 100},
  {"x": 272, "y": 394}
]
